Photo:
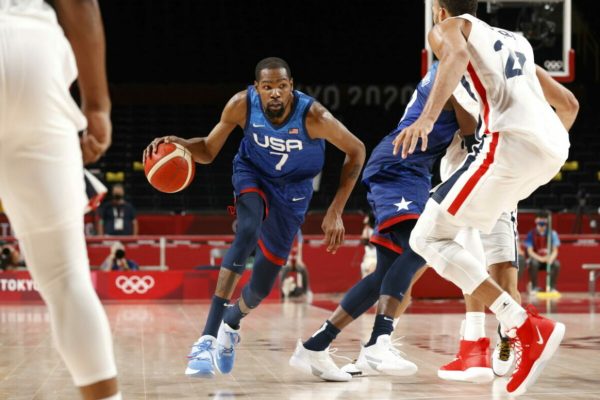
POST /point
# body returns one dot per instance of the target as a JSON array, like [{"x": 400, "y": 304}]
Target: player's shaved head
[
  {"x": 459, "y": 7},
  {"x": 271, "y": 63}
]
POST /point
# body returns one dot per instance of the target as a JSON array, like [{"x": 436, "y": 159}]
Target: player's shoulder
[
  {"x": 236, "y": 108},
  {"x": 317, "y": 111},
  {"x": 452, "y": 24},
  {"x": 461, "y": 23},
  {"x": 239, "y": 99}
]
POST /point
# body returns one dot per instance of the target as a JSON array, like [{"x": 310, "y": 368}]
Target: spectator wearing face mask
[
  {"x": 542, "y": 249},
  {"x": 117, "y": 217},
  {"x": 117, "y": 261}
]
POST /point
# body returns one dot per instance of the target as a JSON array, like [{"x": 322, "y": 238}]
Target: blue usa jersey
[
  {"x": 397, "y": 189},
  {"x": 438, "y": 140},
  {"x": 285, "y": 152}
]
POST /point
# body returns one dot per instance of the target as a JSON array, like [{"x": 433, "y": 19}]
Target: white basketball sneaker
[
  {"x": 384, "y": 358},
  {"x": 201, "y": 360},
  {"x": 503, "y": 356},
  {"x": 352, "y": 369},
  {"x": 227, "y": 339},
  {"x": 317, "y": 363}
]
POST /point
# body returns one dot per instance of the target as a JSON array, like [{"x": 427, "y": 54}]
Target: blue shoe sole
[
  {"x": 225, "y": 368},
  {"x": 207, "y": 374}
]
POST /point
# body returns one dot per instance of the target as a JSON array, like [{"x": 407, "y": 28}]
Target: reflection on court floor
[{"x": 152, "y": 339}]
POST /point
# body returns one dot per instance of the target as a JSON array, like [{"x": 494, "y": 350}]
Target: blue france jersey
[
  {"x": 280, "y": 152},
  {"x": 439, "y": 139}
]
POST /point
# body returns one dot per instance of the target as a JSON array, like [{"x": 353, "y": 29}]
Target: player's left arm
[
  {"x": 321, "y": 124},
  {"x": 450, "y": 46},
  {"x": 562, "y": 99},
  {"x": 82, "y": 24}
]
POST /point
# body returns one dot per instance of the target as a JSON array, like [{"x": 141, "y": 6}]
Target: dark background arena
[{"x": 173, "y": 64}]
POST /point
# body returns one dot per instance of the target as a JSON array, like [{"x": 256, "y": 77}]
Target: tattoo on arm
[{"x": 354, "y": 173}]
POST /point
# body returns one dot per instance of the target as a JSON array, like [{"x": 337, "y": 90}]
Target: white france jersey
[
  {"x": 37, "y": 9},
  {"x": 502, "y": 73},
  {"x": 455, "y": 152}
]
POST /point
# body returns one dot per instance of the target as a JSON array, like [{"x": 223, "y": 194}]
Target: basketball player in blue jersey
[
  {"x": 397, "y": 193},
  {"x": 281, "y": 152}
]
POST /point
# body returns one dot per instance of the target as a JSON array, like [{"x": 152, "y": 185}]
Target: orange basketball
[{"x": 170, "y": 169}]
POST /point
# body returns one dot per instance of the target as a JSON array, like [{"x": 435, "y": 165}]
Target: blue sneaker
[
  {"x": 226, "y": 341},
  {"x": 201, "y": 362}
]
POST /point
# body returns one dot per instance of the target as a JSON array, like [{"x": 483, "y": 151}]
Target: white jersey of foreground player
[
  {"x": 42, "y": 184},
  {"x": 509, "y": 104}
]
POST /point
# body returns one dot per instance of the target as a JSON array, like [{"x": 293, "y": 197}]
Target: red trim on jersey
[
  {"x": 395, "y": 220},
  {"x": 424, "y": 62},
  {"x": 270, "y": 256},
  {"x": 482, "y": 94},
  {"x": 261, "y": 193},
  {"x": 385, "y": 242},
  {"x": 466, "y": 190}
]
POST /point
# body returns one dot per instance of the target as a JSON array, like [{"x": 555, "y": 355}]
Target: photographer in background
[
  {"x": 10, "y": 258},
  {"x": 116, "y": 260}
]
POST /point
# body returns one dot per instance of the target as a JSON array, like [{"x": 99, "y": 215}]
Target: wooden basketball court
[{"x": 152, "y": 341}]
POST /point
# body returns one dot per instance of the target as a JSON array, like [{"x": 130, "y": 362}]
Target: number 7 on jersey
[{"x": 284, "y": 157}]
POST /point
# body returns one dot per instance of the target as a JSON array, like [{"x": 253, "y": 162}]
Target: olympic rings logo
[{"x": 135, "y": 284}]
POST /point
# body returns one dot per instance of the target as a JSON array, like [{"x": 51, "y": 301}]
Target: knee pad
[
  {"x": 250, "y": 211},
  {"x": 461, "y": 268}
]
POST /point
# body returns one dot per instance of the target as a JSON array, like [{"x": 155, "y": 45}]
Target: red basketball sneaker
[
  {"x": 472, "y": 363},
  {"x": 536, "y": 342}
]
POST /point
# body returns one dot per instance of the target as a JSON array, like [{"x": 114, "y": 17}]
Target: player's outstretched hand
[
  {"x": 97, "y": 137},
  {"x": 409, "y": 137},
  {"x": 153, "y": 147},
  {"x": 333, "y": 227}
]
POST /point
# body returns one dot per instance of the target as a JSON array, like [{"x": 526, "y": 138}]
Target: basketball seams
[
  {"x": 191, "y": 168},
  {"x": 178, "y": 152},
  {"x": 175, "y": 153}
]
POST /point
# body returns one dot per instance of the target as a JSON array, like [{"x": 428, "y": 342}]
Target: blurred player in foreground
[{"x": 41, "y": 169}]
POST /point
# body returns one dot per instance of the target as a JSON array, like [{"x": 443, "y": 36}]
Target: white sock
[
  {"x": 114, "y": 397},
  {"x": 508, "y": 311},
  {"x": 474, "y": 326}
]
